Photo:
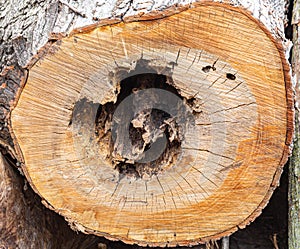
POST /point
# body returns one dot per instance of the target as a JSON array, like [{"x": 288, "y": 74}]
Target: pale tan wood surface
[{"x": 230, "y": 160}]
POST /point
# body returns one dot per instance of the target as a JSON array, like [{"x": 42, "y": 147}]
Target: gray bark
[
  {"x": 294, "y": 192},
  {"x": 294, "y": 166}
]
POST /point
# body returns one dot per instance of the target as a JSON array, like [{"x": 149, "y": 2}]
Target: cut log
[
  {"x": 26, "y": 223},
  {"x": 168, "y": 131}
]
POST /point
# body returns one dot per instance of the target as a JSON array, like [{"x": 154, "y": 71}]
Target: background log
[
  {"x": 294, "y": 224},
  {"x": 294, "y": 165}
]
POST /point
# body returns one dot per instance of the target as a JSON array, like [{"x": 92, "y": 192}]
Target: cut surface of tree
[{"x": 165, "y": 131}]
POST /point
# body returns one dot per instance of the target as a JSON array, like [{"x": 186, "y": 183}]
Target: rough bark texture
[
  {"x": 24, "y": 28},
  {"x": 294, "y": 166},
  {"x": 294, "y": 192}
]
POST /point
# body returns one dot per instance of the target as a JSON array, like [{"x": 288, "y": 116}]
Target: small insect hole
[
  {"x": 207, "y": 68},
  {"x": 230, "y": 76}
]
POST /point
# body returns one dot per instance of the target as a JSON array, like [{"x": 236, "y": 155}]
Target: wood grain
[{"x": 230, "y": 160}]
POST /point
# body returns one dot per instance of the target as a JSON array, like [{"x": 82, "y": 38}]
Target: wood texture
[
  {"x": 231, "y": 160},
  {"x": 26, "y": 27},
  {"x": 26, "y": 223}
]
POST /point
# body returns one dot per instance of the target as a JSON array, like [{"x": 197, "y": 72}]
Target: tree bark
[
  {"x": 294, "y": 165},
  {"x": 43, "y": 24},
  {"x": 294, "y": 223}
]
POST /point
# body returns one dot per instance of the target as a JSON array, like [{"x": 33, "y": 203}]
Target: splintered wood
[{"x": 224, "y": 70}]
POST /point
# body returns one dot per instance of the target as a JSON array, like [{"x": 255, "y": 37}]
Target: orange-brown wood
[{"x": 229, "y": 162}]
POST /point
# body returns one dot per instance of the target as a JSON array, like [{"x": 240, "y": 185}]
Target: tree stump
[{"x": 172, "y": 130}]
